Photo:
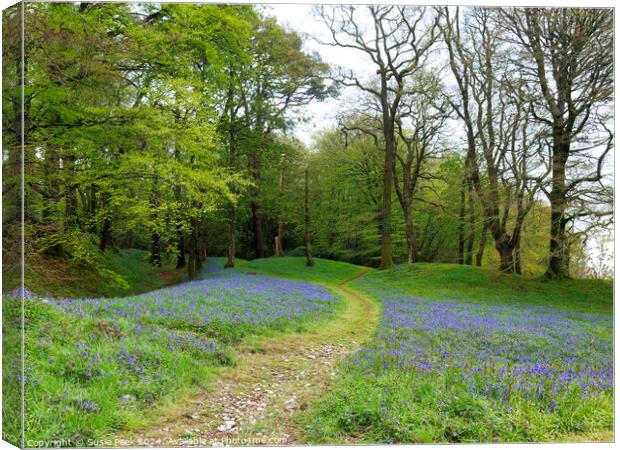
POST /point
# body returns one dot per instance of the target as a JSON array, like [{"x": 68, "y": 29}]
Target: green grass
[
  {"x": 136, "y": 273},
  {"x": 485, "y": 285},
  {"x": 397, "y": 407},
  {"x": 60, "y": 383},
  {"x": 323, "y": 271},
  {"x": 395, "y": 401}
]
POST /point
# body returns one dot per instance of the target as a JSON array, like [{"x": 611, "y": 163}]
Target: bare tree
[
  {"x": 419, "y": 130},
  {"x": 566, "y": 57},
  {"x": 397, "y": 44},
  {"x": 503, "y": 149}
]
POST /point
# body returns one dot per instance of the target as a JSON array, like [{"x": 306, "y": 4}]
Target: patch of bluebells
[
  {"x": 498, "y": 352},
  {"x": 20, "y": 291},
  {"x": 17, "y": 376},
  {"x": 176, "y": 318},
  {"x": 85, "y": 406},
  {"x": 88, "y": 362},
  {"x": 230, "y": 299},
  {"x": 129, "y": 360},
  {"x": 191, "y": 343}
]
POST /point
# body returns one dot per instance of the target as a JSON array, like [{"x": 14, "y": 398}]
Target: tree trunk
[
  {"x": 106, "y": 226},
  {"x": 279, "y": 239},
  {"x": 557, "y": 243},
  {"x": 517, "y": 256},
  {"x": 462, "y": 224},
  {"x": 191, "y": 266},
  {"x": 92, "y": 208},
  {"x": 192, "y": 263},
  {"x": 483, "y": 243},
  {"x": 280, "y": 236},
  {"x": 506, "y": 264},
  {"x": 410, "y": 235},
  {"x": 469, "y": 248},
  {"x": 386, "y": 208},
  {"x": 232, "y": 250},
  {"x": 71, "y": 206},
  {"x": 105, "y": 233},
  {"x": 181, "y": 262},
  {"x": 307, "y": 237},
  {"x": 257, "y": 219},
  {"x": 154, "y": 203},
  {"x": 566, "y": 257},
  {"x": 71, "y": 195},
  {"x": 557, "y": 198},
  {"x": 201, "y": 248},
  {"x": 156, "y": 250}
]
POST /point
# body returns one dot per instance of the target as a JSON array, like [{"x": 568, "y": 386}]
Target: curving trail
[{"x": 257, "y": 401}]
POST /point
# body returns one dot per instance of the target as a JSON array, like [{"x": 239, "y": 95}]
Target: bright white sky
[{"x": 299, "y": 17}]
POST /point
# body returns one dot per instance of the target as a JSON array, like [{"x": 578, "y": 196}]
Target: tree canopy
[{"x": 170, "y": 128}]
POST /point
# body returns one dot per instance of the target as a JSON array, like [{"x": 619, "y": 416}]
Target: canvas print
[{"x": 292, "y": 224}]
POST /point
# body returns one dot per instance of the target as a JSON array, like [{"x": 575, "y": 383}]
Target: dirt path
[{"x": 256, "y": 401}]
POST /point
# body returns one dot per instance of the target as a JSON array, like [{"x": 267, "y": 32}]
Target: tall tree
[
  {"x": 418, "y": 142},
  {"x": 307, "y": 232},
  {"x": 567, "y": 61},
  {"x": 280, "y": 79},
  {"x": 502, "y": 149},
  {"x": 397, "y": 45}
]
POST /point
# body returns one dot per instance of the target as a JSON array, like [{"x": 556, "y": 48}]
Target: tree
[
  {"x": 397, "y": 46},
  {"x": 280, "y": 79},
  {"x": 212, "y": 39},
  {"x": 566, "y": 60},
  {"x": 500, "y": 139},
  {"x": 307, "y": 233},
  {"x": 121, "y": 144},
  {"x": 12, "y": 162},
  {"x": 415, "y": 146}
]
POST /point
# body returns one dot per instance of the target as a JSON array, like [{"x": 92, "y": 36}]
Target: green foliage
[
  {"x": 346, "y": 186},
  {"x": 144, "y": 124}
]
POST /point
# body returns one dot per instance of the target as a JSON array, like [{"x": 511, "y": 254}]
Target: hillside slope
[{"x": 434, "y": 281}]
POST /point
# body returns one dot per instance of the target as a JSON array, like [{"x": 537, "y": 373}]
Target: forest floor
[
  {"x": 258, "y": 401},
  {"x": 278, "y": 353}
]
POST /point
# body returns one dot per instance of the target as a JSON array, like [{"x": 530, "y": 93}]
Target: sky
[{"x": 299, "y": 17}]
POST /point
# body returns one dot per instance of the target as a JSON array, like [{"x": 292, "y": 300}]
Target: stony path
[{"x": 257, "y": 401}]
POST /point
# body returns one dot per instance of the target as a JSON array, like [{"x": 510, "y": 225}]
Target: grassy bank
[
  {"x": 464, "y": 354},
  {"x": 485, "y": 285},
  {"x": 118, "y": 273},
  {"x": 323, "y": 271},
  {"x": 461, "y": 354}
]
